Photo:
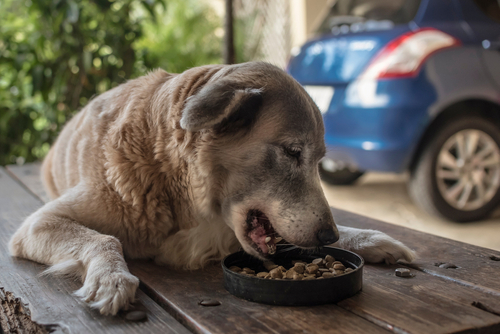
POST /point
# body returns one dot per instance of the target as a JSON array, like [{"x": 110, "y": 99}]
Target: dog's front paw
[
  {"x": 375, "y": 246},
  {"x": 109, "y": 292}
]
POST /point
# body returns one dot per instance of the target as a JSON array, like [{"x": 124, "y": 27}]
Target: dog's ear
[{"x": 220, "y": 102}]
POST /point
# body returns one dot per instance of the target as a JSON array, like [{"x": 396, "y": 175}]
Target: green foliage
[
  {"x": 56, "y": 54},
  {"x": 188, "y": 34}
]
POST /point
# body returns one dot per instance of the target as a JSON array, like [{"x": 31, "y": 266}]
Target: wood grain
[
  {"x": 436, "y": 300},
  {"x": 423, "y": 304},
  {"x": 29, "y": 175},
  {"x": 476, "y": 268},
  {"x": 181, "y": 291},
  {"x": 50, "y": 299}
]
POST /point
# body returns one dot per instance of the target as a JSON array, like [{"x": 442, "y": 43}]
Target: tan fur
[{"x": 126, "y": 179}]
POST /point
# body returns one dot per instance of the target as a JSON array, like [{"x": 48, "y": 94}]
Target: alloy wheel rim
[{"x": 468, "y": 169}]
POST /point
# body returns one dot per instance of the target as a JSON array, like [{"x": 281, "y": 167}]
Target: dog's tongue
[{"x": 258, "y": 235}]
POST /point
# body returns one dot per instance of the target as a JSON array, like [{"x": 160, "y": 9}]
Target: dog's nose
[{"x": 327, "y": 236}]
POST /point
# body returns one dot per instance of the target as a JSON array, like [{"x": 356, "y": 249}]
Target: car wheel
[
  {"x": 337, "y": 175},
  {"x": 457, "y": 174}
]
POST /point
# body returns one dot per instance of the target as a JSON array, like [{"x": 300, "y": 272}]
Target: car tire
[
  {"x": 450, "y": 179},
  {"x": 344, "y": 176}
]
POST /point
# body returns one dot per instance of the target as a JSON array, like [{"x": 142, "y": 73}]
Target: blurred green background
[{"x": 56, "y": 54}]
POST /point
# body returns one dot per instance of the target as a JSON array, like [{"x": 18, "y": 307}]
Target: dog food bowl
[{"x": 293, "y": 292}]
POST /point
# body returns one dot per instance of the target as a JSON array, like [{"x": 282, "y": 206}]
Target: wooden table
[{"x": 465, "y": 299}]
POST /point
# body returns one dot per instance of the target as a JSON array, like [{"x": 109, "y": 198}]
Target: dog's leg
[
  {"x": 51, "y": 236},
  {"x": 373, "y": 246}
]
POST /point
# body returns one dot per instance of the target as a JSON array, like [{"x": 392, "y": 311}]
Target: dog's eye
[{"x": 293, "y": 151}]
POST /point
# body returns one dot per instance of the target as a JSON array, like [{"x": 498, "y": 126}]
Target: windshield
[{"x": 362, "y": 15}]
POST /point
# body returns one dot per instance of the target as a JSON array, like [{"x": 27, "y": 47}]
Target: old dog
[{"x": 184, "y": 169}]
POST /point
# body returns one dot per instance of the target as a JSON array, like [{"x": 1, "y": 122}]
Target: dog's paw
[
  {"x": 109, "y": 292},
  {"x": 375, "y": 247}
]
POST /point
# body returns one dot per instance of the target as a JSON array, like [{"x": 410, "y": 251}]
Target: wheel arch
[{"x": 470, "y": 107}]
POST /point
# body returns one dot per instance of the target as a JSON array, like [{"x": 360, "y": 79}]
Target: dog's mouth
[{"x": 261, "y": 233}]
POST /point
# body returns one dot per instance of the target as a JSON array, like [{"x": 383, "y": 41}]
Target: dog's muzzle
[{"x": 327, "y": 236}]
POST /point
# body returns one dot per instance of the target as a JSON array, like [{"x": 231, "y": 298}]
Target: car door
[{"x": 483, "y": 18}]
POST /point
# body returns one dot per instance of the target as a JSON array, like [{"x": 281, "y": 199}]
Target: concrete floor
[{"x": 385, "y": 197}]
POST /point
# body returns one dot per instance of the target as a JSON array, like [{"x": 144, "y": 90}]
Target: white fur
[{"x": 373, "y": 246}]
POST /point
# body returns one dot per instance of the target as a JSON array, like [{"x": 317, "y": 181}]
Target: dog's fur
[{"x": 185, "y": 169}]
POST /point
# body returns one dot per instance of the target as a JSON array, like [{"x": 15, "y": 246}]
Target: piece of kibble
[
  {"x": 403, "y": 272},
  {"x": 329, "y": 265},
  {"x": 289, "y": 274},
  {"x": 283, "y": 270},
  {"x": 339, "y": 266},
  {"x": 248, "y": 270},
  {"x": 136, "y": 316},
  {"x": 270, "y": 265},
  {"x": 297, "y": 276},
  {"x": 262, "y": 274},
  {"x": 306, "y": 278},
  {"x": 328, "y": 275},
  {"x": 324, "y": 270},
  {"x": 299, "y": 268},
  {"x": 319, "y": 262},
  {"x": 329, "y": 258},
  {"x": 235, "y": 269},
  {"x": 312, "y": 268},
  {"x": 348, "y": 270},
  {"x": 294, "y": 262},
  {"x": 209, "y": 302},
  {"x": 276, "y": 273}
]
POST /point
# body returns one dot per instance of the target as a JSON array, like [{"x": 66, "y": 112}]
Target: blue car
[{"x": 411, "y": 85}]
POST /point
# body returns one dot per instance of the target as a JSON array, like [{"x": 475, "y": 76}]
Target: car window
[
  {"x": 368, "y": 14},
  {"x": 490, "y": 7}
]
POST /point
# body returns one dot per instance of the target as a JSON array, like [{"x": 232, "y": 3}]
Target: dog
[{"x": 185, "y": 169}]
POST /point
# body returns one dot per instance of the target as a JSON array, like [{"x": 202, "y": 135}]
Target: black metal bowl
[{"x": 293, "y": 292}]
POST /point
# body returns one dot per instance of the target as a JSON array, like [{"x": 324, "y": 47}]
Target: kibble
[
  {"x": 136, "y": 316},
  {"x": 248, "y": 271},
  {"x": 276, "y": 273},
  {"x": 270, "y": 265},
  {"x": 319, "y": 262},
  {"x": 318, "y": 269},
  {"x": 336, "y": 266},
  {"x": 299, "y": 268},
  {"x": 328, "y": 275},
  {"x": 403, "y": 272},
  {"x": 289, "y": 274}
]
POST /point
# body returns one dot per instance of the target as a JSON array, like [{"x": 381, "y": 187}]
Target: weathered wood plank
[
  {"x": 181, "y": 292},
  {"x": 423, "y": 304},
  {"x": 478, "y": 267},
  {"x": 29, "y": 176},
  {"x": 50, "y": 299}
]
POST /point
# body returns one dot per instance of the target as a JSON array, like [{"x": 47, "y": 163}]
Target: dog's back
[{"x": 78, "y": 151}]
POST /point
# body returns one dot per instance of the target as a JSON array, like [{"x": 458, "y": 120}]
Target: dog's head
[{"x": 263, "y": 139}]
